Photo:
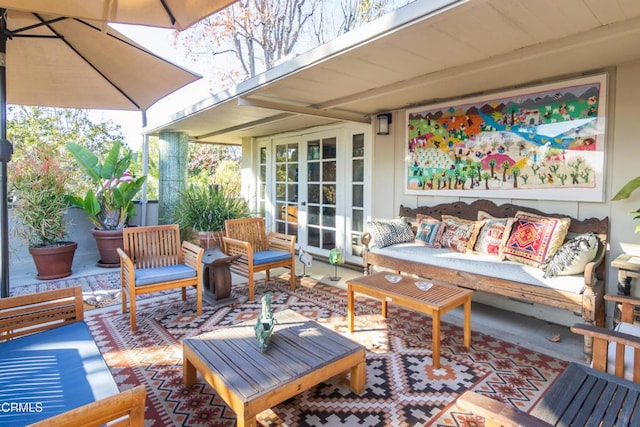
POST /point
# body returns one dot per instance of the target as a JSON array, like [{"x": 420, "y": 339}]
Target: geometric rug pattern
[{"x": 402, "y": 388}]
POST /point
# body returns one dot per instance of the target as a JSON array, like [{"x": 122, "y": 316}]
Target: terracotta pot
[
  {"x": 210, "y": 239},
  {"x": 108, "y": 241},
  {"x": 54, "y": 262}
]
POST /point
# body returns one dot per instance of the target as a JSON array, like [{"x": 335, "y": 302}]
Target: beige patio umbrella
[
  {"x": 69, "y": 62},
  {"x": 178, "y": 14}
]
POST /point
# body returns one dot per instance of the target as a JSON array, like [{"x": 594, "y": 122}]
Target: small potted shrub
[
  {"x": 39, "y": 190},
  {"x": 109, "y": 202},
  {"x": 204, "y": 209}
]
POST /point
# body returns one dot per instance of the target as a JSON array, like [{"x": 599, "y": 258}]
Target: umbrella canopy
[
  {"x": 178, "y": 14},
  {"x": 69, "y": 62},
  {"x": 74, "y": 63}
]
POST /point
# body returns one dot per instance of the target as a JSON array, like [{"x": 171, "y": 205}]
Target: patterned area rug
[
  {"x": 402, "y": 387},
  {"x": 99, "y": 290}
]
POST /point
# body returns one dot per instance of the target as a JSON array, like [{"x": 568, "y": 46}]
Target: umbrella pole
[{"x": 6, "y": 150}]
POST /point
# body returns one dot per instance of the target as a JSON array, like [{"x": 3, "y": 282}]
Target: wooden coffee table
[
  {"x": 300, "y": 355},
  {"x": 434, "y": 302}
]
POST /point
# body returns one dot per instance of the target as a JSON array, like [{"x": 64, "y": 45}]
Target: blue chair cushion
[
  {"x": 50, "y": 372},
  {"x": 265, "y": 257},
  {"x": 148, "y": 276}
]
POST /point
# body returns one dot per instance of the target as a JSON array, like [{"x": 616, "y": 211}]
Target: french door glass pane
[
  {"x": 328, "y": 217},
  {"x": 358, "y": 170},
  {"x": 357, "y": 191},
  {"x": 329, "y": 171},
  {"x": 313, "y": 171},
  {"x": 313, "y": 150},
  {"x": 329, "y": 194},
  {"x": 313, "y": 191},
  {"x": 357, "y": 219},
  {"x": 313, "y": 236},
  {"x": 329, "y": 148},
  {"x": 328, "y": 239}
]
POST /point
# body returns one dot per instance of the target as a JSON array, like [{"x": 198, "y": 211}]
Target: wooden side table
[
  {"x": 628, "y": 269},
  {"x": 217, "y": 275}
]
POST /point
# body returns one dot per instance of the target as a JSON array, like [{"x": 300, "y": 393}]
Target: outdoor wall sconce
[{"x": 384, "y": 120}]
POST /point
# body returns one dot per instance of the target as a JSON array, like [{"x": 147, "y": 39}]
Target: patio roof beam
[
  {"x": 604, "y": 34},
  {"x": 245, "y": 126},
  {"x": 309, "y": 111}
]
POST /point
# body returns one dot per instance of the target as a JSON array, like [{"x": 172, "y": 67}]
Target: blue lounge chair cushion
[
  {"x": 265, "y": 257},
  {"x": 147, "y": 276},
  {"x": 50, "y": 372}
]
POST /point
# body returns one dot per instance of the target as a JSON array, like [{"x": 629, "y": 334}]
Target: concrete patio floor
[{"x": 526, "y": 331}]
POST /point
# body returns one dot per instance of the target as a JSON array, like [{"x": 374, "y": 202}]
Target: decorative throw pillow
[
  {"x": 429, "y": 232},
  {"x": 459, "y": 234},
  {"x": 493, "y": 235},
  {"x": 534, "y": 238},
  {"x": 386, "y": 232},
  {"x": 572, "y": 257}
]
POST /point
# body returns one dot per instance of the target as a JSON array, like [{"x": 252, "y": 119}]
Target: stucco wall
[{"x": 621, "y": 159}]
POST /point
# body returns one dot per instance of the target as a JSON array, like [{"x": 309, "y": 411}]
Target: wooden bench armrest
[
  {"x": 496, "y": 413},
  {"x": 129, "y": 403},
  {"x": 234, "y": 247},
  {"x": 281, "y": 242},
  {"x": 591, "y": 269},
  {"x": 192, "y": 255},
  {"x": 27, "y": 314},
  {"x": 127, "y": 268}
]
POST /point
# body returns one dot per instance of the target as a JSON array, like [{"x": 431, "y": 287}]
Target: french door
[{"x": 319, "y": 188}]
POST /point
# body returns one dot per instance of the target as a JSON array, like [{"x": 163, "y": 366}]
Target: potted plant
[
  {"x": 109, "y": 201},
  {"x": 204, "y": 209},
  {"x": 39, "y": 190}
]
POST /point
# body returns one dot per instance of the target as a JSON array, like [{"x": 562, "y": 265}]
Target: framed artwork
[{"x": 543, "y": 142}]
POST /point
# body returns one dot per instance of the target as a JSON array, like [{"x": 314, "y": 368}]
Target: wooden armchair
[
  {"x": 152, "y": 259},
  {"x": 260, "y": 251},
  {"x": 616, "y": 351},
  {"x": 123, "y": 409}
]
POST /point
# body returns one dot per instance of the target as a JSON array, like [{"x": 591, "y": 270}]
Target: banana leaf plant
[
  {"x": 110, "y": 202},
  {"x": 625, "y": 193}
]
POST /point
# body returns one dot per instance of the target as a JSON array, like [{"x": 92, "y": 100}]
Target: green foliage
[
  {"x": 42, "y": 133},
  {"x": 625, "y": 193},
  {"x": 110, "y": 201},
  {"x": 39, "y": 189},
  {"x": 205, "y": 208}
]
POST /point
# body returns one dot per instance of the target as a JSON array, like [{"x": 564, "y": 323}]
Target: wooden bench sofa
[
  {"x": 584, "y": 297},
  {"x": 51, "y": 370}
]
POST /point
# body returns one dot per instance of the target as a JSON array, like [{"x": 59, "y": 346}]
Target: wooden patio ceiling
[{"x": 425, "y": 52}]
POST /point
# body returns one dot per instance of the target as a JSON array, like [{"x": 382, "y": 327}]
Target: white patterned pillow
[
  {"x": 572, "y": 257},
  {"x": 386, "y": 232}
]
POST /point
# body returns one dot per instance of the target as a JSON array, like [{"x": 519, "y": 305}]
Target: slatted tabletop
[
  {"x": 434, "y": 302},
  {"x": 301, "y": 354},
  {"x": 582, "y": 396}
]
